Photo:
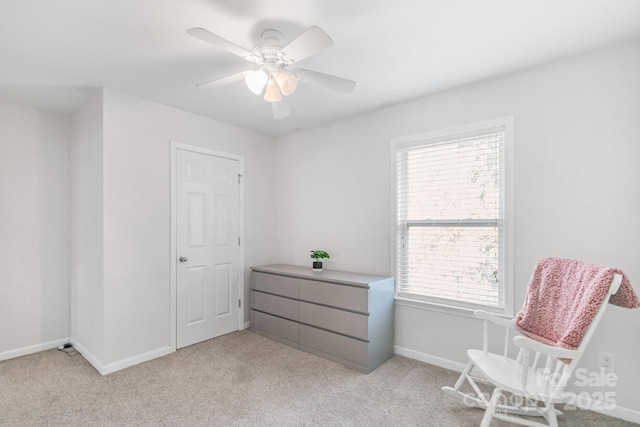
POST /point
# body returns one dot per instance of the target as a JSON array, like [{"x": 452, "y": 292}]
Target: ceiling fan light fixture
[
  {"x": 256, "y": 80},
  {"x": 273, "y": 78},
  {"x": 272, "y": 93},
  {"x": 286, "y": 82}
]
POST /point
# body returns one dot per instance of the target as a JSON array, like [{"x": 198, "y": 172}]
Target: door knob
[{"x": 183, "y": 259}]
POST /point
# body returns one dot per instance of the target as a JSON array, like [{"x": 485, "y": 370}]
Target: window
[{"x": 450, "y": 206}]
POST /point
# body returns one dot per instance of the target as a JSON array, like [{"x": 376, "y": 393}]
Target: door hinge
[
  {"x": 240, "y": 303},
  {"x": 239, "y": 178},
  {"x": 238, "y": 241}
]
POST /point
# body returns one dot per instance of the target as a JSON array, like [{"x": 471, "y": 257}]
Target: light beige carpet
[{"x": 240, "y": 379}]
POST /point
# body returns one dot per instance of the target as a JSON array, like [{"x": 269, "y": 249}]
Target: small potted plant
[{"x": 317, "y": 256}]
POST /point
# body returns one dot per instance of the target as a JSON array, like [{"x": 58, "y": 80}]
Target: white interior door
[{"x": 207, "y": 245}]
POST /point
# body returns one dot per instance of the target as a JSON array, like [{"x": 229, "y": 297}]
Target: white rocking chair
[{"x": 535, "y": 379}]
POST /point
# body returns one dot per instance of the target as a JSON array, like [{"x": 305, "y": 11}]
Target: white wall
[
  {"x": 106, "y": 171},
  {"x": 577, "y": 151},
  {"x": 87, "y": 229},
  {"x": 137, "y": 137},
  {"x": 34, "y": 230}
]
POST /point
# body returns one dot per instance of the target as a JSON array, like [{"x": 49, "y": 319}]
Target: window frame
[{"x": 451, "y": 307}]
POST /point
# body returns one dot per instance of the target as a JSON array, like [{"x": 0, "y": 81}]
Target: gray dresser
[{"x": 342, "y": 316}]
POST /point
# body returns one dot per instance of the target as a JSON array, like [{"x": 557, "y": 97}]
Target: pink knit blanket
[{"x": 564, "y": 296}]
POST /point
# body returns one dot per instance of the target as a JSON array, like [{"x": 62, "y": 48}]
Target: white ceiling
[{"x": 53, "y": 53}]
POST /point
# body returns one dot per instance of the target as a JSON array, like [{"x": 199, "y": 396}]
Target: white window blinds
[{"x": 450, "y": 214}]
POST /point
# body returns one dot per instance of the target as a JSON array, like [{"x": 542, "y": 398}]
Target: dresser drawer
[
  {"x": 283, "y": 307},
  {"x": 282, "y": 330},
  {"x": 279, "y": 285},
  {"x": 330, "y": 344},
  {"x": 341, "y": 296},
  {"x": 344, "y": 322},
  {"x": 342, "y": 316}
]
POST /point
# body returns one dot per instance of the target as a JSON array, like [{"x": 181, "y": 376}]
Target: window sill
[{"x": 443, "y": 308}]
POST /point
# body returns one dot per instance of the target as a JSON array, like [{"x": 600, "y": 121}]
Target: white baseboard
[
  {"x": 624, "y": 414},
  {"x": 120, "y": 364},
  {"x": 10, "y": 354},
  {"x": 95, "y": 362},
  {"x": 618, "y": 412},
  {"x": 246, "y": 325},
  {"x": 427, "y": 358},
  {"x": 124, "y": 363}
]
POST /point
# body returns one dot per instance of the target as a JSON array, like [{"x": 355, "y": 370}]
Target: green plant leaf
[{"x": 319, "y": 254}]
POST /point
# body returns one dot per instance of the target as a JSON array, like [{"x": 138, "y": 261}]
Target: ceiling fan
[{"x": 273, "y": 76}]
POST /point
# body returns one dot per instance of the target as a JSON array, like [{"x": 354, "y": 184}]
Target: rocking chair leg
[
  {"x": 552, "y": 417},
  {"x": 463, "y": 376},
  {"x": 491, "y": 407}
]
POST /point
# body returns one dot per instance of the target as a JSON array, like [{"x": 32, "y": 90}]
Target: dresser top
[{"x": 334, "y": 276}]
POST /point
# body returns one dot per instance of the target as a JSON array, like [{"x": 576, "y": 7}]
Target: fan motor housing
[{"x": 270, "y": 51}]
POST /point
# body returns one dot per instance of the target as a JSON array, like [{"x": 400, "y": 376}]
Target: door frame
[{"x": 175, "y": 146}]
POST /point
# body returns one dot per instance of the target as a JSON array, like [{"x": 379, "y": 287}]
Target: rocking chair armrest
[
  {"x": 485, "y": 315},
  {"x": 558, "y": 352}
]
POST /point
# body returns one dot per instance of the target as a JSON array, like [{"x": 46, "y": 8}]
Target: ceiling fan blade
[
  {"x": 308, "y": 43},
  {"x": 225, "y": 80},
  {"x": 280, "y": 109},
  {"x": 325, "y": 80},
  {"x": 225, "y": 44}
]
